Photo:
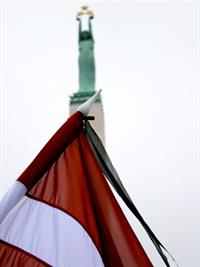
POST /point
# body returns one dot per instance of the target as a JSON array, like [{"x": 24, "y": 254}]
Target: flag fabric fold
[{"x": 65, "y": 214}]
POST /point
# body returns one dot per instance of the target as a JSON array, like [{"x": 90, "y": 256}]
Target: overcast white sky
[{"x": 147, "y": 54}]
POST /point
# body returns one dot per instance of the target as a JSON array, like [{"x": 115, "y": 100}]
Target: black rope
[{"x": 111, "y": 174}]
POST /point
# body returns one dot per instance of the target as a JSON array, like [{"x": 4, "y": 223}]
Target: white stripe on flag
[
  {"x": 11, "y": 198},
  {"x": 49, "y": 234}
]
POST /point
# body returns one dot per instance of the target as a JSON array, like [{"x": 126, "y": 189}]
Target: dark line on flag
[{"x": 112, "y": 176}]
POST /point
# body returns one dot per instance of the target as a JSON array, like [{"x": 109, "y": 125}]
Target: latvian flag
[{"x": 61, "y": 211}]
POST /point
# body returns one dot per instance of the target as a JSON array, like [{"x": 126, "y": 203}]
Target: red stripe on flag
[
  {"x": 65, "y": 187},
  {"x": 76, "y": 185},
  {"x": 11, "y": 256},
  {"x": 52, "y": 150}
]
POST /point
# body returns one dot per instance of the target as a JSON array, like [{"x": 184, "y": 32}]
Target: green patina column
[{"x": 86, "y": 60}]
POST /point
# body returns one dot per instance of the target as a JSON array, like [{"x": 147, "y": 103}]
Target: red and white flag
[{"x": 61, "y": 211}]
